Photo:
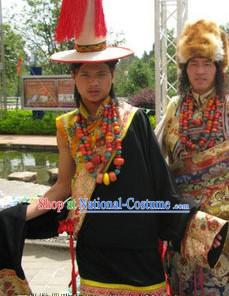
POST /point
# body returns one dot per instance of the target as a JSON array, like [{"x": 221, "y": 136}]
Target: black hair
[
  {"x": 184, "y": 84},
  {"x": 76, "y": 66}
]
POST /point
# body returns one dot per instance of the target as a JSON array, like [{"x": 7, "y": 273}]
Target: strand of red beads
[
  {"x": 210, "y": 124},
  {"x": 110, "y": 134}
]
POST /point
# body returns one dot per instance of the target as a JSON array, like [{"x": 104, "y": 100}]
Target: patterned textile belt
[{"x": 92, "y": 288}]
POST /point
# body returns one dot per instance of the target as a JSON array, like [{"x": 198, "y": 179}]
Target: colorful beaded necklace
[
  {"x": 210, "y": 123},
  {"x": 110, "y": 136}
]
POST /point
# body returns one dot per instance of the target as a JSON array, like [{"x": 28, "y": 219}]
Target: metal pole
[
  {"x": 182, "y": 15},
  {"x": 157, "y": 43},
  {"x": 164, "y": 75},
  {"x": 166, "y": 11},
  {"x": 2, "y": 63}
]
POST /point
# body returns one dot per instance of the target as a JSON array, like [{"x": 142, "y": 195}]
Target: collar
[
  {"x": 201, "y": 99},
  {"x": 84, "y": 112}
]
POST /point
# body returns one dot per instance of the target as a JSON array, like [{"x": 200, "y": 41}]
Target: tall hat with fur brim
[
  {"x": 203, "y": 38},
  {"x": 84, "y": 21}
]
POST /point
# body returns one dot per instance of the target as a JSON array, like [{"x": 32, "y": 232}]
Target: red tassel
[
  {"x": 100, "y": 25},
  {"x": 74, "y": 273},
  {"x": 71, "y": 19},
  {"x": 68, "y": 226}
]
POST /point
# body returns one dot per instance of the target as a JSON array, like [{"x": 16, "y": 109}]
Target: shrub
[
  {"x": 145, "y": 98},
  {"x": 21, "y": 122}
]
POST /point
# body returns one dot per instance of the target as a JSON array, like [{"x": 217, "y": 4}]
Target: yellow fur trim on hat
[{"x": 203, "y": 39}]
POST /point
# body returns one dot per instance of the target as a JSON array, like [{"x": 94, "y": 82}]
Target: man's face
[
  {"x": 201, "y": 74},
  {"x": 93, "y": 81}
]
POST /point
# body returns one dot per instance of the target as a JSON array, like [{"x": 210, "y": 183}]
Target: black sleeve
[
  {"x": 172, "y": 225},
  {"x": 12, "y": 235},
  {"x": 14, "y": 229},
  {"x": 46, "y": 225}
]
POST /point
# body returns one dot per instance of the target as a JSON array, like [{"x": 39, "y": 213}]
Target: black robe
[{"x": 123, "y": 248}]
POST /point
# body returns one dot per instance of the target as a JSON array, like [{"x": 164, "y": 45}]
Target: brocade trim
[
  {"x": 199, "y": 237},
  {"x": 11, "y": 284},
  {"x": 120, "y": 290}
]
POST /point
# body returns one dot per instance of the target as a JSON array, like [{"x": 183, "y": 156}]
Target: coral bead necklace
[
  {"x": 110, "y": 136},
  {"x": 210, "y": 123}
]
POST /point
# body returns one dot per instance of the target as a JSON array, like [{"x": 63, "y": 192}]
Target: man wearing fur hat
[{"x": 194, "y": 134}]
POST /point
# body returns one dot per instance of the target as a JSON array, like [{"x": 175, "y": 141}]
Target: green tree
[
  {"x": 36, "y": 24},
  {"x": 139, "y": 76},
  {"x": 134, "y": 74},
  {"x": 122, "y": 76},
  {"x": 14, "y": 48}
]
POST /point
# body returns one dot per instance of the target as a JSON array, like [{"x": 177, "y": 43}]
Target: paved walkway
[
  {"x": 16, "y": 141},
  {"x": 46, "y": 263},
  {"x": 18, "y": 188},
  {"x": 47, "y": 267}
]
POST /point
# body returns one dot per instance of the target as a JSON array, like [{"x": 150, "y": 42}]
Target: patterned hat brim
[{"x": 108, "y": 54}]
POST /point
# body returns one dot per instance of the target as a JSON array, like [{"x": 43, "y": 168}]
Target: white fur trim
[{"x": 219, "y": 54}]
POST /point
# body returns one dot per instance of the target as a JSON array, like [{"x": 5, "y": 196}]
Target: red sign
[{"x": 48, "y": 92}]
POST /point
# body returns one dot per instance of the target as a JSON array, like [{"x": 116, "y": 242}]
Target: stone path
[
  {"x": 47, "y": 269},
  {"x": 29, "y": 142}
]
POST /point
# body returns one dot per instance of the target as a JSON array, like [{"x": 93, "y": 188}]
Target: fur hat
[
  {"x": 83, "y": 21},
  {"x": 203, "y": 39}
]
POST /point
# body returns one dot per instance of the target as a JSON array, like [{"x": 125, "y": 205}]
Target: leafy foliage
[
  {"x": 13, "y": 48},
  {"x": 38, "y": 29},
  {"x": 21, "y": 122},
  {"x": 134, "y": 74}
]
